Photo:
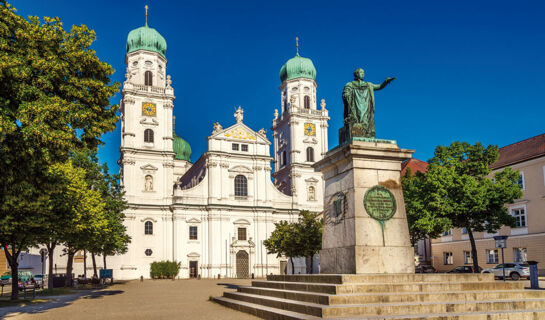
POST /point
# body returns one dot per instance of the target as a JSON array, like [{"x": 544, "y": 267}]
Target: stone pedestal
[{"x": 353, "y": 241}]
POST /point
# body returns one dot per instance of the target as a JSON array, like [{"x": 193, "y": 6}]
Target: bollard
[
  {"x": 534, "y": 279},
  {"x": 34, "y": 292},
  {"x": 219, "y": 276},
  {"x": 141, "y": 278},
  {"x": 253, "y": 276}
]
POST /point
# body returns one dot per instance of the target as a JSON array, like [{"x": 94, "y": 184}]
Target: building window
[
  {"x": 521, "y": 180},
  {"x": 520, "y": 254},
  {"x": 307, "y": 102},
  {"x": 310, "y": 154},
  {"x": 148, "y": 135},
  {"x": 148, "y": 227},
  {"x": 492, "y": 256},
  {"x": 241, "y": 186},
  {"x": 447, "y": 233},
  {"x": 467, "y": 257},
  {"x": 464, "y": 230},
  {"x": 283, "y": 159},
  {"x": 148, "y": 252},
  {"x": 234, "y": 146},
  {"x": 447, "y": 258},
  {"x": 520, "y": 216},
  {"x": 241, "y": 233},
  {"x": 148, "y": 78},
  {"x": 244, "y": 147},
  {"x": 193, "y": 233}
]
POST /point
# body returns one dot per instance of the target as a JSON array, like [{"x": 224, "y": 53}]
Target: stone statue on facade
[
  {"x": 217, "y": 128},
  {"x": 239, "y": 114},
  {"x": 149, "y": 183},
  {"x": 359, "y": 107}
]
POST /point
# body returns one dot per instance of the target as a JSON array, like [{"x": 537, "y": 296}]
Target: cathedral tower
[
  {"x": 152, "y": 155},
  {"x": 300, "y": 133}
]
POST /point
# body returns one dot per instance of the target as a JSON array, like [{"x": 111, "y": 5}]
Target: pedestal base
[{"x": 355, "y": 241}]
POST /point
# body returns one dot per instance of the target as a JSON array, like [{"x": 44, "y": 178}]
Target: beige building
[{"x": 527, "y": 240}]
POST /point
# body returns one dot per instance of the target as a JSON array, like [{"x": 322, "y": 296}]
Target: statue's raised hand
[{"x": 390, "y": 79}]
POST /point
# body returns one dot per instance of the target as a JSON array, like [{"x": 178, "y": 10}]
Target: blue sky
[{"x": 466, "y": 70}]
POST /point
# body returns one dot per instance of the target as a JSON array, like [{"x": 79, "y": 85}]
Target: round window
[
  {"x": 148, "y": 252},
  {"x": 135, "y": 63},
  {"x": 149, "y": 63}
]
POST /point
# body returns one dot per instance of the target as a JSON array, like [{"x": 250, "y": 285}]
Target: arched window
[
  {"x": 148, "y": 135},
  {"x": 310, "y": 154},
  {"x": 148, "y": 78},
  {"x": 241, "y": 186},
  {"x": 307, "y": 102},
  {"x": 311, "y": 193},
  {"x": 148, "y": 227},
  {"x": 283, "y": 159}
]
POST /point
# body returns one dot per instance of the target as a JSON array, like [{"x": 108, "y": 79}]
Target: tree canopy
[
  {"x": 54, "y": 99},
  {"x": 457, "y": 186}
]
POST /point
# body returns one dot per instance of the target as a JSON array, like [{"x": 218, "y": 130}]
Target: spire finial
[
  {"x": 297, "y": 44},
  {"x": 146, "y": 6}
]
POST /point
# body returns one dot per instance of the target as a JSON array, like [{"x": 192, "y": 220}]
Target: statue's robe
[{"x": 359, "y": 105}]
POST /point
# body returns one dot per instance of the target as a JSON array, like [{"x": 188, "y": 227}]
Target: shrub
[{"x": 164, "y": 269}]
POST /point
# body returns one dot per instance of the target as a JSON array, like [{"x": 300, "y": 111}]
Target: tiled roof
[
  {"x": 521, "y": 151},
  {"x": 415, "y": 165}
]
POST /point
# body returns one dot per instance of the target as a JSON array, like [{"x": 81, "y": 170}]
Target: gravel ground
[{"x": 151, "y": 299}]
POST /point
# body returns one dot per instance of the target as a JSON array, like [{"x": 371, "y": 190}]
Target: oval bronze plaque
[{"x": 380, "y": 203}]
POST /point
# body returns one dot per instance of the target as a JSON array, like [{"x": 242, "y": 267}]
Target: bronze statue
[{"x": 359, "y": 107}]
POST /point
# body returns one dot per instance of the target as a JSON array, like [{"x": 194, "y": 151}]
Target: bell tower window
[
  {"x": 148, "y": 78},
  {"x": 148, "y": 135},
  {"x": 307, "y": 102},
  {"x": 310, "y": 154}
]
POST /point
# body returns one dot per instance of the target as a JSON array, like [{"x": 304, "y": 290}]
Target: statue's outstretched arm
[{"x": 384, "y": 84}]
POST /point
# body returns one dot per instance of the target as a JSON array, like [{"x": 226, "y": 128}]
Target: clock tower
[
  {"x": 300, "y": 133},
  {"x": 149, "y": 160}
]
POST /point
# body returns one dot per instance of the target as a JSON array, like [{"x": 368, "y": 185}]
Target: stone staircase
[{"x": 388, "y": 296}]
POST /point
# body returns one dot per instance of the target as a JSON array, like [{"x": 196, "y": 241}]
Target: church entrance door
[
  {"x": 193, "y": 273},
  {"x": 243, "y": 264}
]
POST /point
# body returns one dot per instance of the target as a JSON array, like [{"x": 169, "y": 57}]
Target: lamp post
[{"x": 501, "y": 242}]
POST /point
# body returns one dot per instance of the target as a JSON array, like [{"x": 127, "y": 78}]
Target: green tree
[
  {"x": 54, "y": 97},
  {"x": 308, "y": 234},
  {"x": 457, "y": 187},
  {"x": 283, "y": 241},
  {"x": 423, "y": 223},
  {"x": 300, "y": 239}
]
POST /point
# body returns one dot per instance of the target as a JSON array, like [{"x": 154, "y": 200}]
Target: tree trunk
[
  {"x": 85, "y": 264},
  {"x": 312, "y": 264},
  {"x": 94, "y": 264},
  {"x": 292, "y": 266},
  {"x": 50, "y": 251},
  {"x": 69, "y": 264},
  {"x": 14, "y": 265},
  {"x": 104, "y": 258},
  {"x": 473, "y": 250}
]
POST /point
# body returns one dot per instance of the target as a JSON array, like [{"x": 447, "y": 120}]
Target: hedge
[{"x": 164, "y": 269}]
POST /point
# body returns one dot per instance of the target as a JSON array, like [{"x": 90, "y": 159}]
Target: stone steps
[
  {"x": 278, "y": 314},
  {"x": 370, "y": 309},
  {"x": 383, "y": 278},
  {"x": 388, "y": 287},
  {"x": 394, "y": 296},
  {"x": 361, "y": 298}
]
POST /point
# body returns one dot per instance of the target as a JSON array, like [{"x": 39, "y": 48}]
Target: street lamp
[{"x": 501, "y": 242}]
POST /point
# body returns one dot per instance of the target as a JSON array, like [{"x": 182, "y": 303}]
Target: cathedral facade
[{"x": 213, "y": 215}]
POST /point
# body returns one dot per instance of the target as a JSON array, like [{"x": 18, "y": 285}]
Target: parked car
[
  {"x": 425, "y": 269},
  {"x": 39, "y": 280},
  {"x": 514, "y": 270},
  {"x": 464, "y": 269}
]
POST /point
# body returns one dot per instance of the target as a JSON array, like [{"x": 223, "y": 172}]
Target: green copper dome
[
  {"x": 298, "y": 67},
  {"x": 146, "y": 38},
  {"x": 181, "y": 148}
]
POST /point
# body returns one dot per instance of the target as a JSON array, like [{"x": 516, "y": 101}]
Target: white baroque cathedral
[{"x": 213, "y": 215}]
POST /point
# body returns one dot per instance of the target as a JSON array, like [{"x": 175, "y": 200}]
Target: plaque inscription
[{"x": 380, "y": 204}]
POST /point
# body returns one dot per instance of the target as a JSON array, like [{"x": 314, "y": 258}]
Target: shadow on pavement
[
  {"x": 54, "y": 302},
  {"x": 228, "y": 285}
]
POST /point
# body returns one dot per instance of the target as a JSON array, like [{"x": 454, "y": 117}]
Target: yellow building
[
  {"x": 527, "y": 240},
  {"x": 3, "y": 261}
]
